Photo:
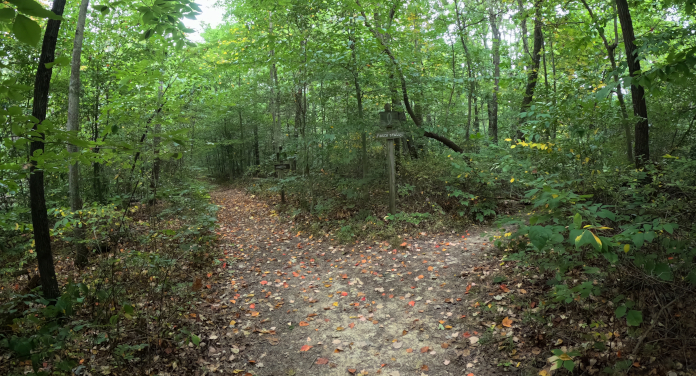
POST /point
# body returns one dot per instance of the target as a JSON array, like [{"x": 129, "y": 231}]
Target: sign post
[
  {"x": 280, "y": 169},
  {"x": 388, "y": 118}
]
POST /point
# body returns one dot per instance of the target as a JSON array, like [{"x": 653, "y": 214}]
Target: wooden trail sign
[{"x": 388, "y": 118}]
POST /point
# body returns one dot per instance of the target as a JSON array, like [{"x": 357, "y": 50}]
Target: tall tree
[
  {"x": 640, "y": 108},
  {"x": 494, "y": 20},
  {"x": 533, "y": 73},
  {"x": 37, "y": 195},
  {"x": 73, "y": 125}
]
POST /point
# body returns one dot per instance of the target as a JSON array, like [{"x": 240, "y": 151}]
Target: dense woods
[{"x": 564, "y": 128}]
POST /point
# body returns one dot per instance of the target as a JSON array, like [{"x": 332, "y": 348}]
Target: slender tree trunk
[
  {"x": 493, "y": 103},
  {"x": 470, "y": 73},
  {"x": 523, "y": 26},
  {"x": 37, "y": 197},
  {"x": 611, "y": 50},
  {"x": 534, "y": 69},
  {"x": 404, "y": 89},
  {"x": 73, "y": 125},
  {"x": 156, "y": 165},
  {"x": 640, "y": 109}
]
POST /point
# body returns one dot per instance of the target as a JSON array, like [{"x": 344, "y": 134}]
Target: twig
[{"x": 642, "y": 338}]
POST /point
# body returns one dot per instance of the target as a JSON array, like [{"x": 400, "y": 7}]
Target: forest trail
[{"x": 291, "y": 305}]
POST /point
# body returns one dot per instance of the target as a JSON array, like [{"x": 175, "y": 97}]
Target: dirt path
[{"x": 290, "y": 305}]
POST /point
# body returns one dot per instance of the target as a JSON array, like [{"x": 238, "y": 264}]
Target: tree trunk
[
  {"x": 523, "y": 26},
  {"x": 640, "y": 109},
  {"x": 154, "y": 182},
  {"x": 404, "y": 90},
  {"x": 37, "y": 197},
  {"x": 611, "y": 50},
  {"x": 533, "y": 75},
  {"x": 493, "y": 103},
  {"x": 73, "y": 125},
  {"x": 470, "y": 73}
]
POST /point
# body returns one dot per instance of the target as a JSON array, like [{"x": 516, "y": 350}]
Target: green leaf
[
  {"x": 664, "y": 272},
  {"x": 7, "y": 13},
  {"x": 195, "y": 339},
  {"x": 61, "y": 61},
  {"x": 634, "y": 318},
  {"x": 577, "y": 221},
  {"x": 539, "y": 236},
  {"x": 638, "y": 239},
  {"x": 26, "y": 30},
  {"x": 569, "y": 365},
  {"x": 620, "y": 312},
  {"x": 669, "y": 227},
  {"x": 33, "y": 8},
  {"x": 604, "y": 213}
]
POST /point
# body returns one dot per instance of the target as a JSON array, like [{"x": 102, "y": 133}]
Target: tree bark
[
  {"x": 73, "y": 125},
  {"x": 493, "y": 103},
  {"x": 533, "y": 75},
  {"x": 640, "y": 109},
  {"x": 37, "y": 197}
]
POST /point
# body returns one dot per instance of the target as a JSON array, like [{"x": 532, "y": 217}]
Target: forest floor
[{"x": 285, "y": 304}]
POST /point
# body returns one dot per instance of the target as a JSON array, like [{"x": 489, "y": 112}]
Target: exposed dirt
[{"x": 289, "y": 305}]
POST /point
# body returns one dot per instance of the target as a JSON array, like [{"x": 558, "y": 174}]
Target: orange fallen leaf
[
  {"x": 304, "y": 323},
  {"x": 424, "y": 367},
  {"x": 421, "y": 276},
  {"x": 264, "y": 282},
  {"x": 352, "y": 370},
  {"x": 322, "y": 361},
  {"x": 468, "y": 288},
  {"x": 305, "y": 348},
  {"x": 412, "y": 303},
  {"x": 507, "y": 322},
  {"x": 445, "y": 345},
  {"x": 254, "y": 313},
  {"x": 424, "y": 349},
  {"x": 504, "y": 287},
  {"x": 403, "y": 244},
  {"x": 351, "y": 325},
  {"x": 430, "y": 268},
  {"x": 409, "y": 350}
]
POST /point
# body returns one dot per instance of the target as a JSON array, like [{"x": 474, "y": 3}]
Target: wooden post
[
  {"x": 388, "y": 118},
  {"x": 391, "y": 169}
]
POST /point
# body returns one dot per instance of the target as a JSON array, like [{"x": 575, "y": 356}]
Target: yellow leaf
[
  {"x": 335, "y": 304},
  {"x": 512, "y": 146},
  {"x": 578, "y": 238},
  {"x": 554, "y": 196},
  {"x": 627, "y": 247},
  {"x": 565, "y": 357},
  {"x": 508, "y": 139},
  {"x": 596, "y": 239},
  {"x": 512, "y": 180}
]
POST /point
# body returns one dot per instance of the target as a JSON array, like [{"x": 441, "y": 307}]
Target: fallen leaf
[
  {"x": 468, "y": 288},
  {"x": 412, "y": 303},
  {"x": 264, "y": 282},
  {"x": 409, "y": 350},
  {"x": 424, "y": 367},
  {"x": 507, "y": 322},
  {"x": 445, "y": 345},
  {"x": 322, "y": 361},
  {"x": 305, "y": 348},
  {"x": 352, "y": 370},
  {"x": 504, "y": 287},
  {"x": 304, "y": 323},
  {"x": 424, "y": 349}
]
